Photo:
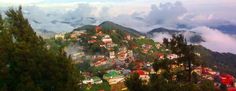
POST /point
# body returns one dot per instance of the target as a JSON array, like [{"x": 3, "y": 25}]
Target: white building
[
  {"x": 77, "y": 55},
  {"x": 172, "y": 56},
  {"x": 88, "y": 81},
  {"x": 130, "y": 53},
  {"x": 107, "y": 39},
  {"x": 116, "y": 80},
  {"x": 60, "y": 36},
  {"x": 112, "y": 54},
  {"x": 158, "y": 45},
  {"x": 93, "y": 80},
  {"x": 141, "y": 37}
]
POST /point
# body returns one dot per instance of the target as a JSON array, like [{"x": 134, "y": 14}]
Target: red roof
[
  {"x": 231, "y": 89},
  {"x": 226, "y": 79},
  {"x": 140, "y": 72},
  {"x": 92, "y": 41},
  {"x": 159, "y": 54}
]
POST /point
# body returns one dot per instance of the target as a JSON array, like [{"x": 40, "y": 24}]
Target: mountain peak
[
  {"x": 161, "y": 30},
  {"x": 106, "y": 22},
  {"x": 108, "y": 25}
]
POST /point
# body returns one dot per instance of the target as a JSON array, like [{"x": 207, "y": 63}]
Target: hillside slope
[{"x": 223, "y": 62}]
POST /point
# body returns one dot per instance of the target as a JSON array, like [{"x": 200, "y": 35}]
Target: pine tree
[
  {"x": 134, "y": 83},
  {"x": 185, "y": 52},
  {"x": 28, "y": 64}
]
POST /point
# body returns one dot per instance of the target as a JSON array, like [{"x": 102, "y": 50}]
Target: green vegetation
[
  {"x": 108, "y": 26},
  {"x": 134, "y": 83},
  {"x": 180, "y": 78},
  {"x": 25, "y": 62},
  {"x": 56, "y": 44},
  {"x": 96, "y": 87},
  {"x": 223, "y": 62}
]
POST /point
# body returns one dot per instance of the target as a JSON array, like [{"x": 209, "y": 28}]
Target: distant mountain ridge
[
  {"x": 45, "y": 33},
  {"x": 228, "y": 29}
]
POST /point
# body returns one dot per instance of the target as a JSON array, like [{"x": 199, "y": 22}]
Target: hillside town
[
  {"x": 116, "y": 45},
  {"x": 113, "y": 61}
]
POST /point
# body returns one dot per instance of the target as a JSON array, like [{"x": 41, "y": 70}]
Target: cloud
[
  {"x": 158, "y": 37},
  {"x": 216, "y": 40},
  {"x": 82, "y": 10},
  {"x": 59, "y": 20},
  {"x": 132, "y": 22},
  {"x": 18, "y": 2},
  {"x": 44, "y": 20},
  {"x": 140, "y": 17},
  {"x": 165, "y": 14}
]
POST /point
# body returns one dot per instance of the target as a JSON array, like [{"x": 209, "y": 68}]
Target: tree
[
  {"x": 175, "y": 74},
  {"x": 5, "y": 50},
  {"x": 134, "y": 83},
  {"x": 223, "y": 87},
  {"x": 185, "y": 52},
  {"x": 207, "y": 85},
  {"x": 27, "y": 64},
  {"x": 166, "y": 42}
]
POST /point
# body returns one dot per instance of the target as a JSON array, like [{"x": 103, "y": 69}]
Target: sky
[
  {"x": 217, "y": 8},
  {"x": 142, "y": 15}
]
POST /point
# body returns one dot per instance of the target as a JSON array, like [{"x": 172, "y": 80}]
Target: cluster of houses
[
  {"x": 99, "y": 60},
  {"x": 76, "y": 34},
  {"x": 116, "y": 77},
  {"x": 146, "y": 48},
  {"x": 219, "y": 78}
]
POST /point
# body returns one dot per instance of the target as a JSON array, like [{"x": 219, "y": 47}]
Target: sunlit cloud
[{"x": 19, "y": 2}]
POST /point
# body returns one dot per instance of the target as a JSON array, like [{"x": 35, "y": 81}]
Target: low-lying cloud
[
  {"x": 158, "y": 37},
  {"x": 216, "y": 40}
]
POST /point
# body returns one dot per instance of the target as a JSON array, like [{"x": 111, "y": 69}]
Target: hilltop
[
  {"x": 108, "y": 26},
  {"x": 108, "y": 52},
  {"x": 118, "y": 34}
]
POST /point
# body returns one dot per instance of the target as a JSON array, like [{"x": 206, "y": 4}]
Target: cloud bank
[
  {"x": 142, "y": 18},
  {"x": 216, "y": 40}
]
